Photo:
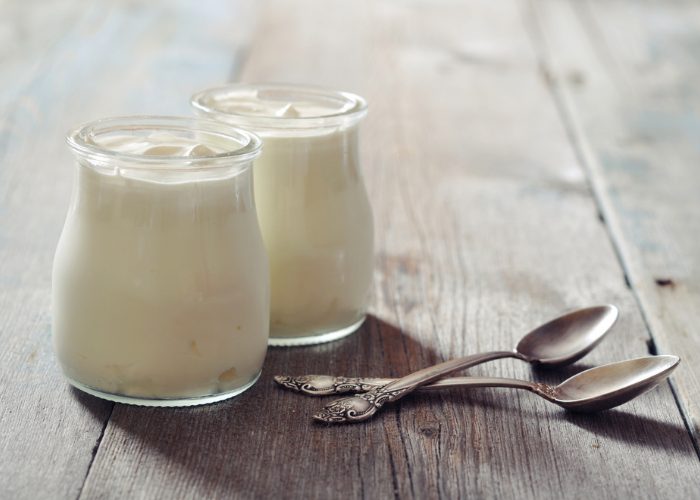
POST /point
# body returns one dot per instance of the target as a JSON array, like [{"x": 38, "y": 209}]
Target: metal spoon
[
  {"x": 560, "y": 341},
  {"x": 598, "y": 388}
]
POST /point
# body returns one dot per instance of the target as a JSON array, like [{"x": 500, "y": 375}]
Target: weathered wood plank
[
  {"x": 46, "y": 436},
  {"x": 62, "y": 63},
  {"x": 485, "y": 227},
  {"x": 630, "y": 96}
]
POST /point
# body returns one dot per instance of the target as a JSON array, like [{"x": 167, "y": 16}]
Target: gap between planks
[
  {"x": 574, "y": 130},
  {"x": 95, "y": 449}
]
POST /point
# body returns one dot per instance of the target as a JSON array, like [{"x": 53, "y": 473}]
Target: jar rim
[
  {"x": 79, "y": 140},
  {"x": 353, "y": 109}
]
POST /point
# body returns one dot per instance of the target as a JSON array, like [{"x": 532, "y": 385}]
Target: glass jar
[
  {"x": 160, "y": 280},
  {"x": 312, "y": 204}
]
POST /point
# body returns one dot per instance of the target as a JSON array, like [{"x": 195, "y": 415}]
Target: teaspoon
[
  {"x": 558, "y": 342},
  {"x": 598, "y": 388}
]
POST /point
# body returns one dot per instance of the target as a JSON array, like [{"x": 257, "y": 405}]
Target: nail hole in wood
[{"x": 665, "y": 282}]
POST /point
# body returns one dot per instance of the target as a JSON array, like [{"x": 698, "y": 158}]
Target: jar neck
[
  {"x": 137, "y": 196},
  {"x": 157, "y": 142}
]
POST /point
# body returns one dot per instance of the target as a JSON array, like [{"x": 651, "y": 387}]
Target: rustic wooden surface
[
  {"x": 522, "y": 157},
  {"x": 631, "y": 99}
]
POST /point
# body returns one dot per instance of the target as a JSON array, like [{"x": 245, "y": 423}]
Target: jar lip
[
  {"x": 351, "y": 109},
  {"x": 79, "y": 140}
]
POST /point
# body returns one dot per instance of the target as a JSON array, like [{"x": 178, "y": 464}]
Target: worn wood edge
[{"x": 96, "y": 449}]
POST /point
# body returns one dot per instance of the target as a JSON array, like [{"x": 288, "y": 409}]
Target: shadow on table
[
  {"x": 222, "y": 448},
  {"x": 556, "y": 375},
  {"x": 99, "y": 409},
  {"x": 638, "y": 430},
  {"x": 226, "y": 449},
  {"x": 378, "y": 348},
  {"x": 616, "y": 424}
]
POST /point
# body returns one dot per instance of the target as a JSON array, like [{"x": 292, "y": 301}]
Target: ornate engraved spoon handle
[
  {"x": 306, "y": 384},
  {"x": 325, "y": 385},
  {"x": 363, "y": 406}
]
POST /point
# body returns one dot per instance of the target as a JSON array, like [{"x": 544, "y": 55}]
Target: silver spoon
[
  {"x": 560, "y": 341},
  {"x": 598, "y": 388}
]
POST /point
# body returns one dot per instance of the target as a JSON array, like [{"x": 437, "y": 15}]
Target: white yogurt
[
  {"x": 313, "y": 208},
  {"x": 160, "y": 283}
]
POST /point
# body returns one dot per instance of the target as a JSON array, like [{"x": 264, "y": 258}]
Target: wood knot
[
  {"x": 576, "y": 78},
  {"x": 429, "y": 432},
  {"x": 665, "y": 282}
]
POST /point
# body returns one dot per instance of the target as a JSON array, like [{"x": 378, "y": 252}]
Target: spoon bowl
[
  {"x": 611, "y": 385},
  {"x": 568, "y": 338}
]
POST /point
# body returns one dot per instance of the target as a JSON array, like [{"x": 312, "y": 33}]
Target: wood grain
[
  {"x": 46, "y": 437},
  {"x": 486, "y": 226},
  {"x": 61, "y": 63},
  {"x": 630, "y": 97}
]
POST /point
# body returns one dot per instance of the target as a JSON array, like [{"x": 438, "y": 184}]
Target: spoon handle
[
  {"x": 403, "y": 386},
  {"x": 481, "y": 382},
  {"x": 426, "y": 375},
  {"x": 327, "y": 385},
  {"x": 546, "y": 391},
  {"x": 362, "y": 406},
  {"x": 324, "y": 385},
  {"x": 307, "y": 384}
]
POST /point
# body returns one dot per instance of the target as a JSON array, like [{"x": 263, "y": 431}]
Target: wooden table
[{"x": 523, "y": 158}]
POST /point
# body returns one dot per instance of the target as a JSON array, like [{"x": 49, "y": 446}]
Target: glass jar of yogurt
[
  {"x": 312, "y": 204},
  {"x": 160, "y": 280}
]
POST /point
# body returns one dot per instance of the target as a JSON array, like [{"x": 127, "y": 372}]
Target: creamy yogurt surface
[
  {"x": 160, "y": 282},
  {"x": 280, "y": 103}
]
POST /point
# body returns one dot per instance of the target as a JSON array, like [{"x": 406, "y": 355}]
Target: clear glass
[
  {"x": 312, "y": 204},
  {"x": 160, "y": 280}
]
